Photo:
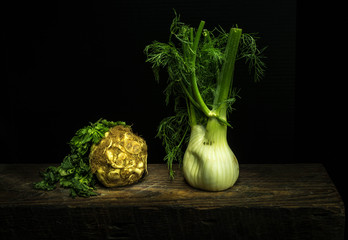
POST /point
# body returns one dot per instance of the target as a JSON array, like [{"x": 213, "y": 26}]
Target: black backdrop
[{"x": 71, "y": 64}]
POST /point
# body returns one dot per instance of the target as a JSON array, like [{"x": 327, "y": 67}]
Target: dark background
[{"x": 71, "y": 64}]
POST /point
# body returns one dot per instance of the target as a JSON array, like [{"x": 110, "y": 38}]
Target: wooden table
[{"x": 269, "y": 201}]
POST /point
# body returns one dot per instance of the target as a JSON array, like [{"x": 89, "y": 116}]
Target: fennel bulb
[
  {"x": 200, "y": 64},
  {"x": 209, "y": 163}
]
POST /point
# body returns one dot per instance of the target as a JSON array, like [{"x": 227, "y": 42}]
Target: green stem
[
  {"x": 190, "y": 103},
  {"x": 189, "y": 95},
  {"x": 192, "y": 114},
  {"x": 202, "y": 106},
  {"x": 196, "y": 40},
  {"x": 216, "y": 133},
  {"x": 194, "y": 85},
  {"x": 225, "y": 79}
]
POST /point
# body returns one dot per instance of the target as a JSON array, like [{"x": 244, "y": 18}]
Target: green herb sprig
[{"x": 74, "y": 172}]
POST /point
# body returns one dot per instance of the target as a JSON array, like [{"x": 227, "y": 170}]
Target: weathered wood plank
[{"x": 269, "y": 201}]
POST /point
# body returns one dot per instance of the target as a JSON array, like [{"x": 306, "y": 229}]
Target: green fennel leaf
[
  {"x": 252, "y": 55},
  {"x": 173, "y": 138}
]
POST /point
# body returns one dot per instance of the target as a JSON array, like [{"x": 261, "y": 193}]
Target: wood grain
[{"x": 269, "y": 201}]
